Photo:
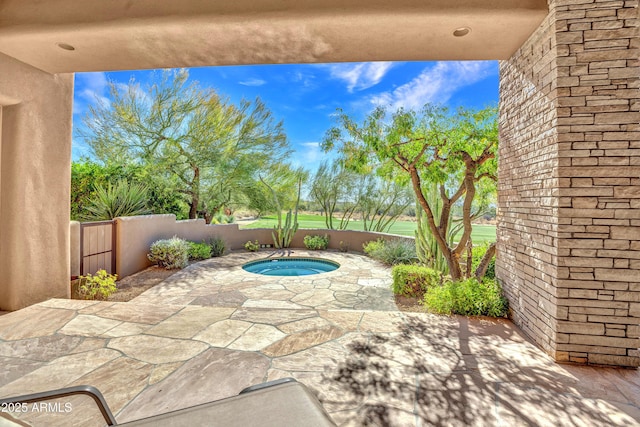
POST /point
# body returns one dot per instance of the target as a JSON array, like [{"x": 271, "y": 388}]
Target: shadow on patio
[{"x": 213, "y": 329}]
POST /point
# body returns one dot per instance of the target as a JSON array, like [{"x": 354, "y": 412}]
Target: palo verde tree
[
  {"x": 206, "y": 145},
  {"x": 336, "y": 190},
  {"x": 451, "y": 150},
  {"x": 382, "y": 201},
  {"x": 341, "y": 193},
  {"x": 285, "y": 184}
]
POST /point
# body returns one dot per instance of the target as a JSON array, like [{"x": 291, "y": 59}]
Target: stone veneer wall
[{"x": 569, "y": 189}]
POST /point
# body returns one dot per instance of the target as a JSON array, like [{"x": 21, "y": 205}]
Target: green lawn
[{"x": 480, "y": 233}]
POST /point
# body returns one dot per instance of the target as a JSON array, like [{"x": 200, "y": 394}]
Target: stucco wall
[
  {"x": 569, "y": 223},
  {"x": 136, "y": 234},
  {"x": 74, "y": 248},
  {"x": 35, "y": 168}
]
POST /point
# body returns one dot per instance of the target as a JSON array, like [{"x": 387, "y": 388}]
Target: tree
[
  {"x": 382, "y": 201},
  {"x": 281, "y": 182},
  {"x": 200, "y": 142},
  {"x": 335, "y": 189},
  {"x": 341, "y": 193},
  {"x": 452, "y": 150}
]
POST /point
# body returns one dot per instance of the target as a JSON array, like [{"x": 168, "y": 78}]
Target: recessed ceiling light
[
  {"x": 65, "y": 46},
  {"x": 461, "y": 32}
]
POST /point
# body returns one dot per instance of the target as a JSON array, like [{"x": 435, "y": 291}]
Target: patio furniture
[{"x": 278, "y": 403}]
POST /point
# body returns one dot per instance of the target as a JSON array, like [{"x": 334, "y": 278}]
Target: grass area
[{"x": 481, "y": 233}]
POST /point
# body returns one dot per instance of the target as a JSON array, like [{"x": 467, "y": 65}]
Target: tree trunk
[
  {"x": 455, "y": 271},
  {"x": 484, "y": 263},
  {"x": 453, "y": 258},
  {"x": 193, "y": 207},
  {"x": 195, "y": 194},
  {"x": 208, "y": 216}
]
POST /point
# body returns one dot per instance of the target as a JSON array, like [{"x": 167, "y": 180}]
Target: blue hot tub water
[{"x": 290, "y": 266}]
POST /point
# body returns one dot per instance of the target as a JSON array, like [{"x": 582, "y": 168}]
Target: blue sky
[{"x": 306, "y": 96}]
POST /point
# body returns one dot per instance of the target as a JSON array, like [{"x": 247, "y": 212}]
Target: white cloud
[
  {"x": 435, "y": 84},
  {"x": 362, "y": 75},
  {"x": 308, "y": 155},
  {"x": 311, "y": 152},
  {"x": 89, "y": 88},
  {"x": 253, "y": 82}
]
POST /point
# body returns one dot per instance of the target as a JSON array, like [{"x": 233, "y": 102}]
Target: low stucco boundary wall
[{"x": 136, "y": 234}]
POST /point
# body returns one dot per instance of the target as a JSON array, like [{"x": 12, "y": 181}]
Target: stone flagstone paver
[
  {"x": 360, "y": 283},
  {"x": 368, "y": 363}
]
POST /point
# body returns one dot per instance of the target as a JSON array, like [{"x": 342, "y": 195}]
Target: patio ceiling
[{"x": 124, "y": 34}]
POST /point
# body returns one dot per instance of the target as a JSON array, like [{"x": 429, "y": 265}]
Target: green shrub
[
  {"x": 99, "y": 286},
  {"x": 170, "y": 253},
  {"x": 199, "y": 251},
  {"x": 121, "y": 199},
  {"x": 316, "y": 242},
  {"x": 373, "y": 247},
  {"x": 218, "y": 246},
  {"x": 477, "y": 254},
  {"x": 252, "y": 246},
  {"x": 413, "y": 280},
  {"x": 468, "y": 297},
  {"x": 221, "y": 218},
  {"x": 392, "y": 252}
]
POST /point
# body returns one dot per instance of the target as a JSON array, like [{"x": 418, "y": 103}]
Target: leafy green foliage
[
  {"x": 282, "y": 234},
  {"x": 207, "y": 147},
  {"x": 373, "y": 247},
  {"x": 199, "y": 251},
  {"x": 121, "y": 199},
  {"x": 221, "y": 218},
  {"x": 335, "y": 187},
  {"x": 316, "y": 242},
  {"x": 454, "y": 151},
  {"x": 413, "y": 280},
  {"x": 87, "y": 176},
  {"x": 170, "y": 253},
  {"x": 392, "y": 252},
  {"x": 252, "y": 246},
  {"x": 99, "y": 286},
  {"x": 468, "y": 297},
  {"x": 218, "y": 247},
  {"x": 478, "y": 254},
  {"x": 341, "y": 193}
]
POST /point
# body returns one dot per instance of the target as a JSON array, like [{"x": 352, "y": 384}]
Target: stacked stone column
[{"x": 569, "y": 183}]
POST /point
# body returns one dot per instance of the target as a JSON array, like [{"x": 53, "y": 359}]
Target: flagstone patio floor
[{"x": 212, "y": 329}]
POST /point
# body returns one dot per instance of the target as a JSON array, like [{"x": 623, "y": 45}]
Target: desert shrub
[
  {"x": 199, "y": 251},
  {"x": 316, "y": 242},
  {"x": 112, "y": 201},
  {"x": 218, "y": 246},
  {"x": 221, "y": 218},
  {"x": 392, "y": 252},
  {"x": 477, "y": 254},
  {"x": 98, "y": 286},
  {"x": 170, "y": 253},
  {"x": 373, "y": 247},
  {"x": 413, "y": 280},
  {"x": 468, "y": 297},
  {"x": 252, "y": 246}
]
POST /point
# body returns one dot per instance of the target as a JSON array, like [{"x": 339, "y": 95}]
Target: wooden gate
[{"x": 97, "y": 247}]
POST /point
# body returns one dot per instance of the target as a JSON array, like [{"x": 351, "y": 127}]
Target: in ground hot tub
[{"x": 290, "y": 266}]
